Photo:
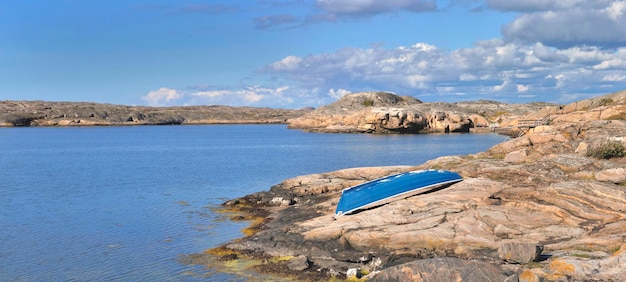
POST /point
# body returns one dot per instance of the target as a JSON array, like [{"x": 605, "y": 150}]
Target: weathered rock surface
[
  {"x": 41, "y": 113},
  {"x": 381, "y": 112},
  {"x": 540, "y": 188},
  {"x": 441, "y": 269},
  {"x": 517, "y": 251}
]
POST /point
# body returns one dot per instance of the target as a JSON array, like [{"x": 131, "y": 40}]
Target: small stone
[
  {"x": 299, "y": 263},
  {"x": 516, "y": 156},
  {"x": 582, "y": 148},
  {"x": 352, "y": 273},
  {"x": 529, "y": 276}
]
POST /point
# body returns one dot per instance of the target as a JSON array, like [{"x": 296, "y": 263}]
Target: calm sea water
[{"x": 121, "y": 203}]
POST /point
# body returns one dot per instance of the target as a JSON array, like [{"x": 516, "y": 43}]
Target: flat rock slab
[{"x": 442, "y": 269}]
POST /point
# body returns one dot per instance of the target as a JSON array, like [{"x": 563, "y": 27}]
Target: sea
[{"x": 125, "y": 203}]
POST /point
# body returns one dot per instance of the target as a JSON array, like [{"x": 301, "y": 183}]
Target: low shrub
[
  {"x": 607, "y": 150},
  {"x": 604, "y": 102},
  {"x": 368, "y": 103}
]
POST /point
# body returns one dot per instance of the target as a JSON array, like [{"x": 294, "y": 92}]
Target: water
[{"x": 121, "y": 203}]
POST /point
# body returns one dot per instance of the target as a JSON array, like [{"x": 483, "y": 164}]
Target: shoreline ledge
[
  {"x": 548, "y": 205},
  {"x": 43, "y": 113},
  {"x": 364, "y": 112}
]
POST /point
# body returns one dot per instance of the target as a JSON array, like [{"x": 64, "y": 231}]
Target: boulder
[
  {"x": 299, "y": 263},
  {"x": 614, "y": 175},
  {"x": 516, "y": 156},
  {"x": 381, "y": 112},
  {"x": 529, "y": 275},
  {"x": 519, "y": 251}
]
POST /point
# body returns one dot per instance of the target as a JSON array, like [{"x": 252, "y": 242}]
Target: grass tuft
[{"x": 607, "y": 150}]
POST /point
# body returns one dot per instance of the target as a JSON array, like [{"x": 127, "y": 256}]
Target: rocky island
[
  {"x": 366, "y": 112},
  {"x": 384, "y": 113},
  {"x": 547, "y": 205},
  {"x": 43, "y": 113}
]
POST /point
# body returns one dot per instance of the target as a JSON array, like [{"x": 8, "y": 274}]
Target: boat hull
[{"x": 390, "y": 188}]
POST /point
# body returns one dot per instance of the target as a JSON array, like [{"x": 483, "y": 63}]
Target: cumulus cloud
[
  {"x": 248, "y": 96},
  {"x": 614, "y": 77},
  {"x": 566, "y": 23},
  {"x": 287, "y": 63},
  {"x": 255, "y": 95},
  {"x": 560, "y": 24},
  {"x": 337, "y": 94},
  {"x": 162, "y": 97},
  {"x": 557, "y": 49},
  {"x": 491, "y": 67}
]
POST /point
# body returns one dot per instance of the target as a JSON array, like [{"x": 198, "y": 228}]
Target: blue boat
[{"x": 387, "y": 189}]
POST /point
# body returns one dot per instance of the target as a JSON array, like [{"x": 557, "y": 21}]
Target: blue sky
[{"x": 298, "y": 53}]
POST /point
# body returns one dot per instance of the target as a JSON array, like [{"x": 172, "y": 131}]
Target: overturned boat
[{"x": 387, "y": 189}]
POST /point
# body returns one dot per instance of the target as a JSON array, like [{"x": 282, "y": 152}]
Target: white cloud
[
  {"x": 162, "y": 97},
  {"x": 213, "y": 94},
  {"x": 337, "y": 94},
  {"x": 561, "y": 48},
  {"x": 614, "y": 77},
  {"x": 248, "y": 96},
  {"x": 613, "y": 63},
  {"x": 616, "y": 10},
  {"x": 467, "y": 77},
  {"x": 288, "y": 63},
  {"x": 566, "y": 23},
  {"x": 488, "y": 68},
  {"x": 522, "y": 88}
]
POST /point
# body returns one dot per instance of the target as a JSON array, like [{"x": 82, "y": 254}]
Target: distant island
[
  {"x": 364, "y": 112},
  {"x": 43, "y": 113}
]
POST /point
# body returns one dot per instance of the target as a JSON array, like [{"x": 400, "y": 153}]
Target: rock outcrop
[
  {"x": 540, "y": 189},
  {"x": 381, "y": 112},
  {"x": 442, "y": 269},
  {"x": 40, "y": 113},
  {"x": 371, "y": 112}
]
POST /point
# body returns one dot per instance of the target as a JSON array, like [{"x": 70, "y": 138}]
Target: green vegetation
[
  {"x": 604, "y": 102},
  {"x": 579, "y": 255},
  {"x": 368, "y": 103},
  {"x": 615, "y": 250},
  {"x": 607, "y": 150}
]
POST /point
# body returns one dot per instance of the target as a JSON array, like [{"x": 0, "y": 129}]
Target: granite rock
[
  {"x": 43, "y": 113},
  {"x": 556, "y": 197}
]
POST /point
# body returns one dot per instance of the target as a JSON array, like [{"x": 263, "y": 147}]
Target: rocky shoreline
[
  {"x": 386, "y": 113},
  {"x": 549, "y": 205},
  {"x": 42, "y": 113}
]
